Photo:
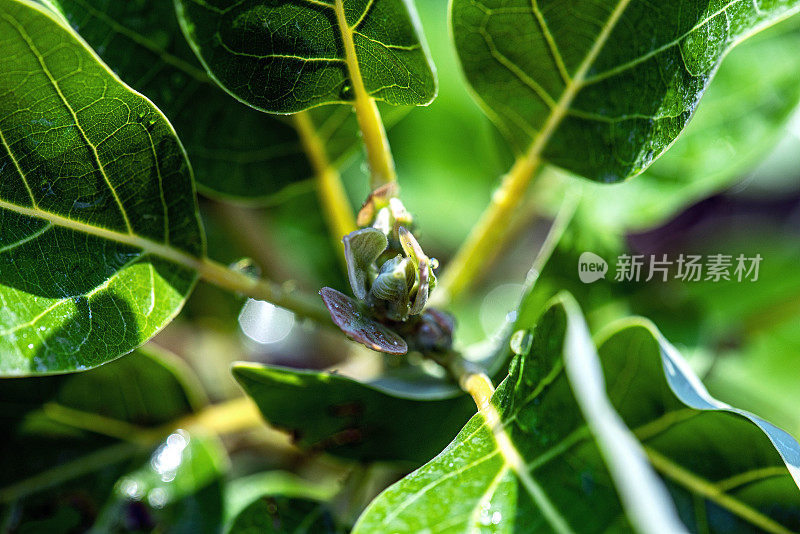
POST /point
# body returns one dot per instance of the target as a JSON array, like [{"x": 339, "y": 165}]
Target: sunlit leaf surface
[
  {"x": 599, "y": 88},
  {"x": 578, "y": 468},
  {"x": 95, "y": 196}
]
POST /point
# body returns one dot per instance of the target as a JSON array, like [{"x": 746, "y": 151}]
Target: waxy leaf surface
[
  {"x": 290, "y": 56},
  {"x": 599, "y": 88},
  {"x": 98, "y": 217},
  {"x": 237, "y": 152},
  {"x": 726, "y": 470},
  {"x": 740, "y": 119},
  {"x": 351, "y": 419}
]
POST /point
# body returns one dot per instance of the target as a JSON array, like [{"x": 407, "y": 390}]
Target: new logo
[{"x": 591, "y": 267}]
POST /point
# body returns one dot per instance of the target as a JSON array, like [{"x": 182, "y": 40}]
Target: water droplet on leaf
[{"x": 521, "y": 342}]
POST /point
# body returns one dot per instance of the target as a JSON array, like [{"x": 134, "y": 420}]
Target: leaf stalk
[
  {"x": 379, "y": 154},
  {"x": 330, "y": 190},
  {"x": 468, "y": 262},
  {"x": 302, "y": 304}
]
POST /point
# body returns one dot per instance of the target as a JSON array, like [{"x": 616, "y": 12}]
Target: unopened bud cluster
[
  {"x": 387, "y": 268},
  {"x": 392, "y": 278}
]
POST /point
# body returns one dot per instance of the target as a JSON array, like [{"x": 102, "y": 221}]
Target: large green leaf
[
  {"x": 60, "y": 471},
  {"x": 346, "y": 418},
  {"x": 741, "y": 117},
  {"x": 599, "y": 88},
  {"x": 536, "y": 459},
  {"x": 237, "y": 152},
  {"x": 290, "y": 56},
  {"x": 97, "y": 207},
  {"x": 726, "y": 470}
]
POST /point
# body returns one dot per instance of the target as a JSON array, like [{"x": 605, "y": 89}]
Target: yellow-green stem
[
  {"x": 207, "y": 269},
  {"x": 379, "y": 155},
  {"x": 304, "y": 305},
  {"x": 470, "y": 378},
  {"x": 330, "y": 190},
  {"x": 467, "y": 264},
  {"x": 464, "y": 268}
]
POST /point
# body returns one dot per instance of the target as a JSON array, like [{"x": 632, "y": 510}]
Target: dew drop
[
  {"x": 246, "y": 266},
  {"x": 347, "y": 92},
  {"x": 521, "y": 342}
]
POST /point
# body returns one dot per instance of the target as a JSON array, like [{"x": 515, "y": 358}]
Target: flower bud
[{"x": 391, "y": 289}]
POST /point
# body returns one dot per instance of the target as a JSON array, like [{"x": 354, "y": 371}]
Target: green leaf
[
  {"x": 60, "y": 464},
  {"x": 350, "y": 419},
  {"x": 537, "y": 458},
  {"x": 726, "y": 470},
  {"x": 148, "y": 389},
  {"x": 740, "y": 119},
  {"x": 277, "y": 502},
  {"x": 97, "y": 207},
  {"x": 290, "y": 57},
  {"x": 598, "y": 88},
  {"x": 237, "y": 153},
  {"x": 726, "y": 467}
]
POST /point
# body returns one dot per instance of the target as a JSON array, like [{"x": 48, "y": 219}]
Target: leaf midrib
[
  {"x": 133, "y": 240},
  {"x": 45, "y": 69},
  {"x": 575, "y": 84}
]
